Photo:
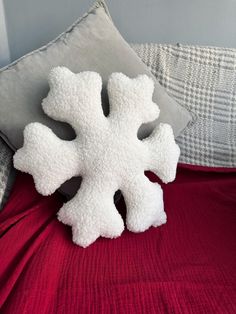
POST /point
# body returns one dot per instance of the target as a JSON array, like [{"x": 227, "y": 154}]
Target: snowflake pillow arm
[
  {"x": 164, "y": 152},
  {"x": 47, "y": 158},
  {"x": 92, "y": 213},
  {"x": 131, "y": 101},
  {"x": 72, "y": 96}
]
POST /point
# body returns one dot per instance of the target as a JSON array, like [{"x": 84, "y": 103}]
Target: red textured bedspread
[{"x": 185, "y": 266}]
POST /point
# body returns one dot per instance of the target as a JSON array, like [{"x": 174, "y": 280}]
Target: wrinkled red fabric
[{"x": 185, "y": 266}]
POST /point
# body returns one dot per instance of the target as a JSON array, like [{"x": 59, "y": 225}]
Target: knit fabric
[
  {"x": 203, "y": 80},
  {"x": 6, "y": 172}
]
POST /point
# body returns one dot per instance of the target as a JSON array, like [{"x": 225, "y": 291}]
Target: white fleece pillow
[{"x": 106, "y": 153}]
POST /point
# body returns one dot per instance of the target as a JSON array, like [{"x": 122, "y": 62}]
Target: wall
[
  {"x": 32, "y": 23},
  {"x": 4, "y": 47}
]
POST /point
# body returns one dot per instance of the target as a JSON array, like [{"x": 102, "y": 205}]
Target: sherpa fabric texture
[
  {"x": 203, "y": 80},
  {"x": 107, "y": 153}
]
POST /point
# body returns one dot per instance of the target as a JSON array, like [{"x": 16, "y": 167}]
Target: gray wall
[{"x": 32, "y": 23}]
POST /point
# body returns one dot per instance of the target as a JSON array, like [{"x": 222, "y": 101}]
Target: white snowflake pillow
[{"x": 106, "y": 153}]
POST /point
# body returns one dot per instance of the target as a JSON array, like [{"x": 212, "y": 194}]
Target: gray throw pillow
[{"x": 91, "y": 43}]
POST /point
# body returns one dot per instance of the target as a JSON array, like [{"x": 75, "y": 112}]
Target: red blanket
[{"x": 185, "y": 266}]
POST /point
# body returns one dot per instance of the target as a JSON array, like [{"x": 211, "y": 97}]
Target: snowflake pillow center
[
  {"x": 106, "y": 153},
  {"x": 115, "y": 160}
]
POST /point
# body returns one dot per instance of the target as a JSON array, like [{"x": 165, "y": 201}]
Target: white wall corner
[{"x": 4, "y": 45}]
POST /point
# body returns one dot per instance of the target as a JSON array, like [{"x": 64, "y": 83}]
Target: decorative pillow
[
  {"x": 7, "y": 173},
  {"x": 203, "y": 80},
  {"x": 107, "y": 153},
  {"x": 91, "y": 43}
]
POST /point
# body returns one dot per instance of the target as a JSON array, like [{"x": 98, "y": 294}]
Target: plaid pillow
[
  {"x": 6, "y": 172},
  {"x": 203, "y": 80}
]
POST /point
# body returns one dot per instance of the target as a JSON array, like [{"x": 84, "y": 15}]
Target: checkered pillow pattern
[{"x": 203, "y": 80}]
